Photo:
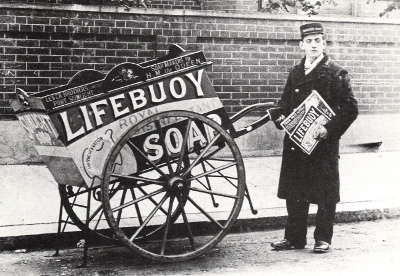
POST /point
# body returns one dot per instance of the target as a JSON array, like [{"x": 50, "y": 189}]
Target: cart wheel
[{"x": 179, "y": 200}]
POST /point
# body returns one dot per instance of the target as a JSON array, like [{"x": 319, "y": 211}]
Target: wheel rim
[{"x": 179, "y": 199}]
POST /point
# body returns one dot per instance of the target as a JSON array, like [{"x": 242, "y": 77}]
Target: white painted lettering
[
  {"x": 210, "y": 132},
  {"x": 139, "y": 100},
  {"x": 173, "y": 140},
  {"x": 85, "y": 114},
  {"x": 197, "y": 83},
  {"x": 70, "y": 134},
  {"x": 117, "y": 106},
  {"x": 153, "y": 95},
  {"x": 98, "y": 113},
  {"x": 182, "y": 88},
  {"x": 195, "y": 136},
  {"x": 154, "y": 151}
]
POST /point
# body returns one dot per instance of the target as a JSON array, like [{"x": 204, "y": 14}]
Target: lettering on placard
[
  {"x": 197, "y": 136},
  {"x": 173, "y": 65},
  {"x": 70, "y": 95},
  {"x": 130, "y": 102}
]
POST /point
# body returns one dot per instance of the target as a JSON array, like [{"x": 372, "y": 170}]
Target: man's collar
[{"x": 308, "y": 67}]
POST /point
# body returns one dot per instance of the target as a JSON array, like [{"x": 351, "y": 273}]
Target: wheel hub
[{"x": 177, "y": 185}]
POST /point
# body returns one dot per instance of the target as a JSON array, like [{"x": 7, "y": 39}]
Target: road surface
[{"x": 364, "y": 248}]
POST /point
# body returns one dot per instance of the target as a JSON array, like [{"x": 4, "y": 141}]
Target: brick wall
[
  {"x": 175, "y": 4},
  {"x": 252, "y": 54}
]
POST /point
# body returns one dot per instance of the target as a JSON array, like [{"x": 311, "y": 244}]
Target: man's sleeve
[
  {"x": 284, "y": 102},
  {"x": 345, "y": 105}
]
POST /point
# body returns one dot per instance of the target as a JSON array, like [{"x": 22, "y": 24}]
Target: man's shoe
[
  {"x": 285, "y": 245},
  {"x": 321, "y": 247}
]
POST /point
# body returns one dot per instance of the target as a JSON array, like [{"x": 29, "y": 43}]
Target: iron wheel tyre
[{"x": 215, "y": 173}]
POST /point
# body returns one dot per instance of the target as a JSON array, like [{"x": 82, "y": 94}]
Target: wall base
[{"x": 366, "y": 133}]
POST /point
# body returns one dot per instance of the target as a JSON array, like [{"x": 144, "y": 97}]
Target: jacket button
[
  {"x": 297, "y": 90},
  {"x": 292, "y": 149}
]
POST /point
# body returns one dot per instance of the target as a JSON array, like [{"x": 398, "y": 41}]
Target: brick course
[{"x": 252, "y": 54}]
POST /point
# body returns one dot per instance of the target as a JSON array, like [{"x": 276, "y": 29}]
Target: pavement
[{"x": 370, "y": 190}]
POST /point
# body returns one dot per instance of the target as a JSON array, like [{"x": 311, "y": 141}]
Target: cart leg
[
  {"x": 209, "y": 186},
  {"x": 57, "y": 253},
  {"x": 85, "y": 251},
  {"x": 247, "y": 195},
  {"x": 86, "y": 233}
]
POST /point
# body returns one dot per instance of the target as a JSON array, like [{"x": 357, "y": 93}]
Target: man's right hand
[
  {"x": 278, "y": 122},
  {"x": 280, "y": 119}
]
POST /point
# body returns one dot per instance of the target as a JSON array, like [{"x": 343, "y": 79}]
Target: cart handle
[{"x": 256, "y": 124}]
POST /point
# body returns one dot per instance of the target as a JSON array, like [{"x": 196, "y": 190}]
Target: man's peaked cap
[{"x": 311, "y": 28}]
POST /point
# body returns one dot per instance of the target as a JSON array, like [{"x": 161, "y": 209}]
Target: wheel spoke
[
  {"x": 167, "y": 223},
  {"x": 160, "y": 166},
  {"x": 164, "y": 147},
  {"x": 212, "y": 171},
  {"x": 151, "y": 199},
  {"x": 205, "y": 213},
  {"x": 98, "y": 221},
  {"x": 183, "y": 149},
  {"x": 148, "y": 160},
  {"x": 227, "y": 178},
  {"x": 149, "y": 217},
  {"x": 219, "y": 159},
  {"x": 139, "y": 178},
  {"x": 212, "y": 193},
  {"x": 138, "y": 200},
  {"x": 208, "y": 156},
  {"x": 137, "y": 206},
  {"x": 122, "y": 201},
  {"x": 91, "y": 217},
  {"x": 185, "y": 220},
  {"x": 78, "y": 205},
  {"x": 200, "y": 156}
]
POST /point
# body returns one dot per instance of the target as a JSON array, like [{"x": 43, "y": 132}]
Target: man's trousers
[{"x": 296, "y": 223}]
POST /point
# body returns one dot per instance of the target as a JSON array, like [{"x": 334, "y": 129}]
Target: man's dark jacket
[{"x": 315, "y": 177}]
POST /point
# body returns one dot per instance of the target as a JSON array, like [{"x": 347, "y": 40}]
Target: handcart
[{"x": 144, "y": 154}]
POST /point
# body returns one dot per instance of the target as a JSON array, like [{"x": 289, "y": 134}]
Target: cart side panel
[
  {"x": 91, "y": 134},
  {"x": 64, "y": 170}
]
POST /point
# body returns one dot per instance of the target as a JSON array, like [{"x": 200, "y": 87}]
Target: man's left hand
[{"x": 321, "y": 133}]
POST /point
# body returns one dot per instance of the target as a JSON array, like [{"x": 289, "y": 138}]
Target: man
[{"x": 314, "y": 178}]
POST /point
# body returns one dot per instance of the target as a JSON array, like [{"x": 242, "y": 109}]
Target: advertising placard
[{"x": 303, "y": 123}]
